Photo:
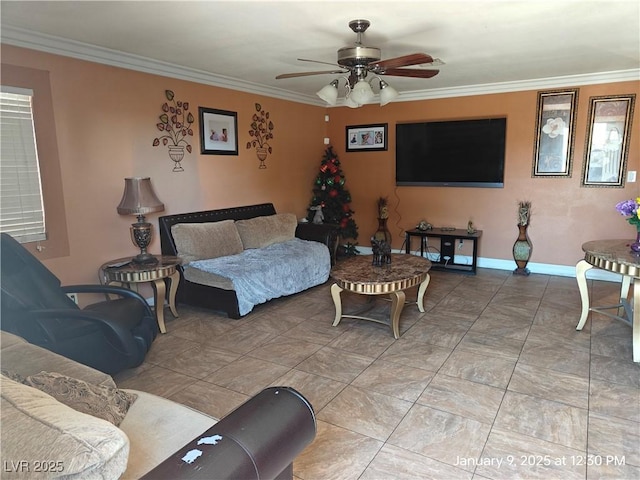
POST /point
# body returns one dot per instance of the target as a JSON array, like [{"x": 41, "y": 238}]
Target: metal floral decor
[
  {"x": 261, "y": 131},
  {"x": 175, "y": 125}
]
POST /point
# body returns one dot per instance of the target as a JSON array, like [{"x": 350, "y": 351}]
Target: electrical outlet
[
  {"x": 74, "y": 297},
  {"x": 631, "y": 176}
]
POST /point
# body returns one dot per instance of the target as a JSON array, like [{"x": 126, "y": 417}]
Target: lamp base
[{"x": 144, "y": 259}]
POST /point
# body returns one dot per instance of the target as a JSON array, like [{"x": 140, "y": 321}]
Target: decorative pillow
[
  {"x": 16, "y": 377},
  {"x": 100, "y": 401},
  {"x": 71, "y": 444},
  {"x": 263, "y": 231},
  {"x": 200, "y": 241}
]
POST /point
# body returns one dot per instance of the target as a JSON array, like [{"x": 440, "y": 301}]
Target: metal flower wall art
[
  {"x": 175, "y": 127},
  {"x": 261, "y": 131}
]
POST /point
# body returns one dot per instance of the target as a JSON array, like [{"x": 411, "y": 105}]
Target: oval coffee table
[{"x": 358, "y": 275}]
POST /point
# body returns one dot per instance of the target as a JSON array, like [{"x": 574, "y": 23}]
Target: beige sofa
[{"x": 42, "y": 437}]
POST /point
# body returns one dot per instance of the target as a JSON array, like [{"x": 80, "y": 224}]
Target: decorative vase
[
  {"x": 383, "y": 232},
  {"x": 176, "y": 153},
  {"x": 522, "y": 251},
  {"x": 262, "y": 156},
  {"x": 635, "y": 246}
]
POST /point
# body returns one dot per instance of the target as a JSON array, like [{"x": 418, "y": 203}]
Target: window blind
[{"x": 21, "y": 203}]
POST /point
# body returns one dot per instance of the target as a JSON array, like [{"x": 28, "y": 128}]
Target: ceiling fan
[{"x": 357, "y": 61}]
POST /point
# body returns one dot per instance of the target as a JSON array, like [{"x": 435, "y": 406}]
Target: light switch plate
[
  {"x": 326, "y": 140},
  {"x": 631, "y": 176}
]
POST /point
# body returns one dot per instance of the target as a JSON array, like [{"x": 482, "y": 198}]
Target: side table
[
  {"x": 613, "y": 256},
  {"x": 125, "y": 272}
]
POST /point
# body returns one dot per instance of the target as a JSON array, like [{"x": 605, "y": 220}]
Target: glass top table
[{"x": 614, "y": 256}]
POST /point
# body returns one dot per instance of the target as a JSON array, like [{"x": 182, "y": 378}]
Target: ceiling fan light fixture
[
  {"x": 387, "y": 93},
  {"x": 350, "y": 102},
  {"x": 329, "y": 93},
  {"x": 361, "y": 92}
]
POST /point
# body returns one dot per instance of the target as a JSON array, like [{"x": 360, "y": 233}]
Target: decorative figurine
[
  {"x": 318, "y": 217},
  {"x": 381, "y": 252}
]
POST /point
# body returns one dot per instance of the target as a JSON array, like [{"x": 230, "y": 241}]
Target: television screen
[{"x": 460, "y": 153}]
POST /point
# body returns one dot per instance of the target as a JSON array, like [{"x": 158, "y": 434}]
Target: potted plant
[
  {"x": 261, "y": 131},
  {"x": 175, "y": 124},
  {"x": 631, "y": 210}
]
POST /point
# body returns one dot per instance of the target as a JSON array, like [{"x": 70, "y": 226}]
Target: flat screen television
[{"x": 459, "y": 153}]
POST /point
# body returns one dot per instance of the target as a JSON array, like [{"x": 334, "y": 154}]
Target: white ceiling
[{"x": 486, "y": 45}]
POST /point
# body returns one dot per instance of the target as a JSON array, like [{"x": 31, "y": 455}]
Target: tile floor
[{"x": 491, "y": 382}]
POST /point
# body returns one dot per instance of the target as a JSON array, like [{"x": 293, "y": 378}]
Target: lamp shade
[
  {"x": 387, "y": 93},
  {"x": 361, "y": 92},
  {"x": 139, "y": 197},
  {"x": 329, "y": 93},
  {"x": 349, "y": 102}
]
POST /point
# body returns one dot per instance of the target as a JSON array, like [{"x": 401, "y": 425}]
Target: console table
[
  {"x": 125, "y": 272},
  {"x": 448, "y": 239},
  {"x": 613, "y": 256}
]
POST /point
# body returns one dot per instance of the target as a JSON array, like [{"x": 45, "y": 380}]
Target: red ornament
[
  {"x": 344, "y": 222},
  {"x": 336, "y": 179},
  {"x": 346, "y": 207},
  {"x": 333, "y": 169},
  {"x": 333, "y": 193},
  {"x": 324, "y": 168}
]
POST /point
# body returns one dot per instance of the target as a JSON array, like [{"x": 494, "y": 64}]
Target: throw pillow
[
  {"x": 263, "y": 231},
  {"x": 201, "y": 241},
  {"x": 101, "y": 401},
  {"x": 16, "y": 377}
]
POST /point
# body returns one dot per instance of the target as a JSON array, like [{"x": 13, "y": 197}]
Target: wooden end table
[
  {"x": 358, "y": 275},
  {"x": 125, "y": 272},
  {"x": 613, "y": 256}
]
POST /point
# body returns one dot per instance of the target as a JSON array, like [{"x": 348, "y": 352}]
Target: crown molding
[
  {"x": 522, "y": 85},
  {"x": 70, "y": 48}
]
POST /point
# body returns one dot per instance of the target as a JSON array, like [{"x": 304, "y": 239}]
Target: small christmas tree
[{"x": 330, "y": 194}]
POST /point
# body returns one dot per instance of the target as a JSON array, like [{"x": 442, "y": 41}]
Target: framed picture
[
  {"x": 218, "y": 132},
  {"x": 366, "y": 137},
  {"x": 608, "y": 135},
  {"x": 555, "y": 133}
]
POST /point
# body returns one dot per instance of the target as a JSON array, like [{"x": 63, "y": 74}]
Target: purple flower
[{"x": 627, "y": 208}]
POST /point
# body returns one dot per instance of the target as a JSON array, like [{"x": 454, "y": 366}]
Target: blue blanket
[{"x": 260, "y": 274}]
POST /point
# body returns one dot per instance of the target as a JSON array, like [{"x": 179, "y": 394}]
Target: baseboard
[{"x": 541, "y": 268}]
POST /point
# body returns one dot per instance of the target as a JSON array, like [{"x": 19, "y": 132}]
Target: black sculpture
[{"x": 381, "y": 252}]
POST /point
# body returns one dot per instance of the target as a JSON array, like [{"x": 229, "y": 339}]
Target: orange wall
[
  {"x": 105, "y": 123},
  {"x": 564, "y": 216}
]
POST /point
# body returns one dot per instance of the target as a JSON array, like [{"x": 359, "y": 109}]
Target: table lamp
[{"x": 140, "y": 199}]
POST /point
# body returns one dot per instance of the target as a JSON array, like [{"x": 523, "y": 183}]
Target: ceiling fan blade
[
  {"x": 318, "y": 61},
  {"x": 411, "y": 72},
  {"x": 306, "y": 74},
  {"x": 405, "y": 60}
]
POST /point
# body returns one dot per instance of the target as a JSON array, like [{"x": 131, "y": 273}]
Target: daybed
[
  {"x": 63, "y": 419},
  {"x": 236, "y": 258}
]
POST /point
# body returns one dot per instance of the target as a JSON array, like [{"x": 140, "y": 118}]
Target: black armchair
[{"x": 110, "y": 336}]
